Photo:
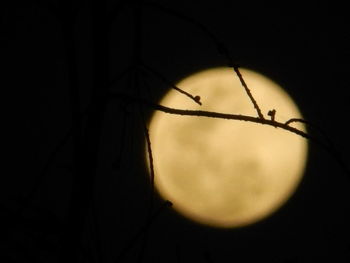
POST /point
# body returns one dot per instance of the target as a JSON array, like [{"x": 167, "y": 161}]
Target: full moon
[{"x": 226, "y": 173}]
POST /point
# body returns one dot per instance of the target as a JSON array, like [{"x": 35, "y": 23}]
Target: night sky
[{"x": 304, "y": 47}]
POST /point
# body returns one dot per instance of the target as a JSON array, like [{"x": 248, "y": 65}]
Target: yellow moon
[{"x": 226, "y": 173}]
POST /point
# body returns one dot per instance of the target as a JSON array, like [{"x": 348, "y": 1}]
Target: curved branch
[
  {"x": 221, "y": 48},
  {"x": 296, "y": 120},
  {"x": 312, "y": 125},
  {"x": 328, "y": 142},
  {"x": 219, "y": 45},
  {"x": 196, "y": 99}
]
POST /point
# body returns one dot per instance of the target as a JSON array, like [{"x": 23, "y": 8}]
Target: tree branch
[
  {"x": 160, "y": 76},
  {"x": 244, "y": 84},
  {"x": 221, "y": 48},
  {"x": 238, "y": 117},
  {"x": 142, "y": 230},
  {"x": 210, "y": 114},
  {"x": 150, "y": 158},
  {"x": 120, "y": 75}
]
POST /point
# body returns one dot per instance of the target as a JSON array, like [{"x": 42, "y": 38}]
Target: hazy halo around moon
[{"x": 225, "y": 173}]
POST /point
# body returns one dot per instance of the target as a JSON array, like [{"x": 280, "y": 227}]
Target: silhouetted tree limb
[
  {"x": 221, "y": 48},
  {"x": 210, "y": 114},
  {"x": 142, "y": 230},
  {"x": 237, "y": 117},
  {"x": 249, "y": 93},
  {"x": 160, "y": 76},
  {"x": 150, "y": 157}
]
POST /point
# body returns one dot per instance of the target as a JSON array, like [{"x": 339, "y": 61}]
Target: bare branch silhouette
[
  {"x": 210, "y": 114},
  {"x": 150, "y": 156},
  {"x": 160, "y": 76},
  {"x": 142, "y": 230},
  {"x": 221, "y": 48},
  {"x": 313, "y": 126},
  {"x": 48, "y": 164},
  {"x": 219, "y": 45},
  {"x": 238, "y": 117},
  {"x": 249, "y": 93},
  {"x": 120, "y": 76},
  {"x": 326, "y": 143}
]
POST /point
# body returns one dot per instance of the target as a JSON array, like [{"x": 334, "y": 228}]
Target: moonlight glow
[{"x": 226, "y": 173}]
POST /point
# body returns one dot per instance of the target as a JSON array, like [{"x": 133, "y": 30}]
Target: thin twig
[
  {"x": 43, "y": 173},
  {"x": 296, "y": 120},
  {"x": 311, "y": 125},
  {"x": 120, "y": 75},
  {"x": 329, "y": 143},
  {"x": 315, "y": 127},
  {"x": 142, "y": 230},
  {"x": 221, "y": 48},
  {"x": 244, "y": 84},
  {"x": 118, "y": 161},
  {"x": 148, "y": 93},
  {"x": 150, "y": 157},
  {"x": 137, "y": 87},
  {"x": 160, "y": 76}
]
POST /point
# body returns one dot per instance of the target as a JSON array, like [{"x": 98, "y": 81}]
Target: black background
[{"x": 302, "y": 46}]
